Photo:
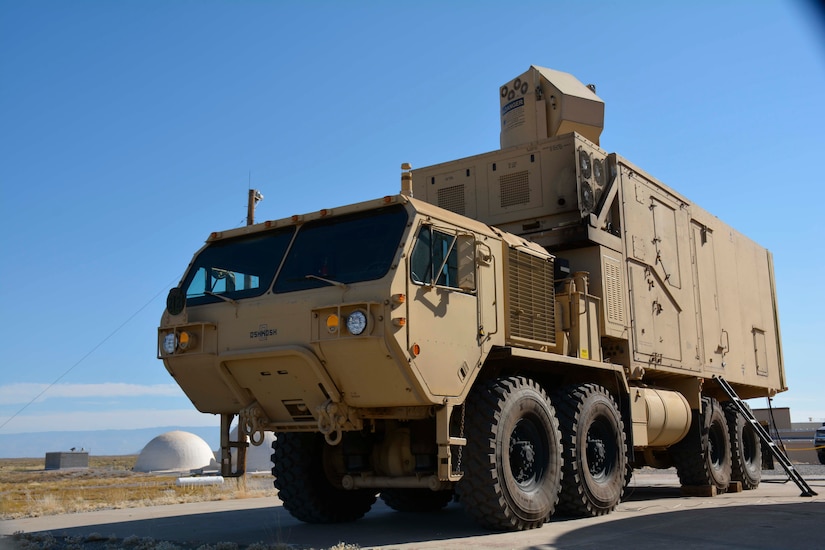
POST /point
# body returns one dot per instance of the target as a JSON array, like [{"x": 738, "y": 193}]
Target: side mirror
[{"x": 176, "y": 301}]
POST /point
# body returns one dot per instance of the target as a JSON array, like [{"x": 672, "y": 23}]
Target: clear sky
[{"x": 130, "y": 130}]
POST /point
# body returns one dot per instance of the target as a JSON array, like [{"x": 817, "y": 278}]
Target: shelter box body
[{"x": 680, "y": 291}]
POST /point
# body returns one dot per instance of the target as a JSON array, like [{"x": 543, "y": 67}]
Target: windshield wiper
[
  {"x": 218, "y": 296},
  {"x": 328, "y": 281}
]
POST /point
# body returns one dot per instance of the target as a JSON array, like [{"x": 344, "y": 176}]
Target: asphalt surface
[{"x": 655, "y": 515}]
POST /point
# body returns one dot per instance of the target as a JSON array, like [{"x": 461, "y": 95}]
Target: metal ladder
[{"x": 778, "y": 453}]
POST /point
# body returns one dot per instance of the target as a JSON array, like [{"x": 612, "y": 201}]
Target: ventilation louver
[
  {"x": 531, "y": 298},
  {"x": 515, "y": 188},
  {"x": 452, "y": 199},
  {"x": 614, "y": 291}
]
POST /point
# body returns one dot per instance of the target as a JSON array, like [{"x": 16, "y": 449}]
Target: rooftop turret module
[{"x": 521, "y": 328}]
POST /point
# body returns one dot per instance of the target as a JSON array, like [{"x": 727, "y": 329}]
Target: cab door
[{"x": 443, "y": 315}]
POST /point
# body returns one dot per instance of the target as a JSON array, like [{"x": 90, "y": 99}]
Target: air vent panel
[
  {"x": 515, "y": 188},
  {"x": 452, "y": 199},
  {"x": 531, "y": 298},
  {"x": 614, "y": 291}
]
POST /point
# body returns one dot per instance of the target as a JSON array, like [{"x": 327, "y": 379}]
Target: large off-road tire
[
  {"x": 416, "y": 500},
  {"x": 628, "y": 477},
  {"x": 702, "y": 457},
  {"x": 595, "y": 450},
  {"x": 745, "y": 448},
  {"x": 512, "y": 462},
  {"x": 300, "y": 465}
]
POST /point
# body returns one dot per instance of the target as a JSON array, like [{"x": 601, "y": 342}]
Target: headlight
[
  {"x": 170, "y": 343},
  {"x": 356, "y": 322}
]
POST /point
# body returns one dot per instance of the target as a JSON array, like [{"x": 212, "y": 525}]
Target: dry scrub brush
[{"x": 26, "y": 491}]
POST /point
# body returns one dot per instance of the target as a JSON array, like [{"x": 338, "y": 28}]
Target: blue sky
[{"x": 131, "y": 130}]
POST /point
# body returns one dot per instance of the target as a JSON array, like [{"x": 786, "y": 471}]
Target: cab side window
[{"x": 436, "y": 260}]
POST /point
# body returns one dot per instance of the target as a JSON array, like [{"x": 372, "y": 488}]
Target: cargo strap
[{"x": 778, "y": 453}]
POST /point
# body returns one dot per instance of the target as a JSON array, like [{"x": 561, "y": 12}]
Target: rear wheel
[
  {"x": 703, "y": 456},
  {"x": 628, "y": 477},
  {"x": 301, "y": 463},
  {"x": 595, "y": 451},
  {"x": 512, "y": 468},
  {"x": 745, "y": 449},
  {"x": 416, "y": 500}
]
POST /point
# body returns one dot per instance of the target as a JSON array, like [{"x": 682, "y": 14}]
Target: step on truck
[{"x": 518, "y": 330}]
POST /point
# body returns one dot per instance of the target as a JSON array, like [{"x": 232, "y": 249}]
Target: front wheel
[
  {"x": 512, "y": 471},
  {"x": 300, "y": 464},
  {"x": 595, "y": 451}
]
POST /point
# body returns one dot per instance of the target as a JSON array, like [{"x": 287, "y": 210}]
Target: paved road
[{"x": 654, "y": 516}]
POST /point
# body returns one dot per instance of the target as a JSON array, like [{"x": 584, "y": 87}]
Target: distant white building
[
  {"x": 258, "y": 457},
  {"x": 174, "y": 451}
]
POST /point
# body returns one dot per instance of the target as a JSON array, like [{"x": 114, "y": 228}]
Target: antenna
[{"x": 255, "y": 197}]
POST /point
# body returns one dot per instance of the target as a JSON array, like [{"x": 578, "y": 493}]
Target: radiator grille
[
  {"x": 515, "y": 188},
  {"x": 452, "y": 199},
  {"x": 531, "y": 297},
  {"x": 614, "y": 293}
]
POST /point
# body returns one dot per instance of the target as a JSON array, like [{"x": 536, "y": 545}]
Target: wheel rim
[
  {"x": 601, "y": 450},
  {"x": 529, "y": 453}
]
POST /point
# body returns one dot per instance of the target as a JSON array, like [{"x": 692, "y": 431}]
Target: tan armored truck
[{"x": 521, "y": 328}]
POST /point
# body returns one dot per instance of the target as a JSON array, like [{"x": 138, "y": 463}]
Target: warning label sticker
[{"x": 512, "y": 114}]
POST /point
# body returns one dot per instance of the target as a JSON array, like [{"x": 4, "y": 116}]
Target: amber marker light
[
  {"x": 399, "y": 321},
  {"x": 332, "y": 323},
  {"x": 416, "y": 349},
  {"x": 399, "y": 299},
  {"x": 185, "y": 341}
]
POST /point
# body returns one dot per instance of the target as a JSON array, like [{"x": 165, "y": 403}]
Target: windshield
[
  {"x": 343, "y": 250},
  {"x": 333, "y": 251},
  {"x": 242, "y": 267}
]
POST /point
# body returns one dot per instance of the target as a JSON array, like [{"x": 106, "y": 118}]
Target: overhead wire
[
  {"x": 86, "y": 356},
  {"x": 95, "y": 348}
]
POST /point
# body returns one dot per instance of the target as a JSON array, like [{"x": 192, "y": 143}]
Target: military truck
[{"x": 518, "y": 329}]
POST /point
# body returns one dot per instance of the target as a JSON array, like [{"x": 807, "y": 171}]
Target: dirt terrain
[{"x": 28, "y": 490}]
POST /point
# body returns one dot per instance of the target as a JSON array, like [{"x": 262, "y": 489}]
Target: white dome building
[{"x": 174, "y": 451}]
